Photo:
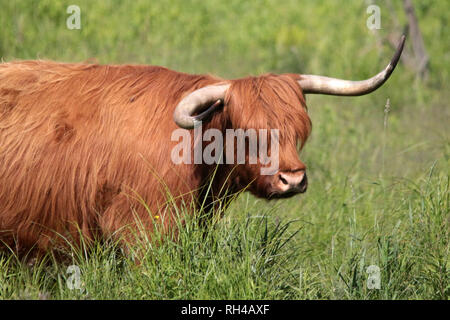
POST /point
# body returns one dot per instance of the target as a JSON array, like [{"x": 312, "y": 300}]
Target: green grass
[
  {"x": 379, "y": 182},
  {"x": 252, "y": 253}
]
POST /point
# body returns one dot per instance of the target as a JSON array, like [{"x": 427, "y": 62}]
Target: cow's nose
[{"x": 292, "y": 181}]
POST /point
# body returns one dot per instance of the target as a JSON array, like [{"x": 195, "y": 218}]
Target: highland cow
[{"x": 85, "y": 149}]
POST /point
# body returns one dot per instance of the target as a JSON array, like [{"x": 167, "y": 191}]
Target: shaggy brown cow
[{"x": 85, "y": 149}]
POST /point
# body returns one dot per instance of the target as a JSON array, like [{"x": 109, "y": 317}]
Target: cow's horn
[
  {"x": 332, "y": 86},
  {"x": 204, "y": 100}
]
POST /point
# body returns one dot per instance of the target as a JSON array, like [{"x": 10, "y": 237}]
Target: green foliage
[{"x": 379, "y": 182}]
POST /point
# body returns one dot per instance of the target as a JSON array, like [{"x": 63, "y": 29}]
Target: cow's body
[{"x": 80, "y": 143}]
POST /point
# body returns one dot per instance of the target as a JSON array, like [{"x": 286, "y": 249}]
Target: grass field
[{"x": 378, "y": 165}]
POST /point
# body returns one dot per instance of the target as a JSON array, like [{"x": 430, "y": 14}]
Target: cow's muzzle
[{"x": 288, "y": 183}]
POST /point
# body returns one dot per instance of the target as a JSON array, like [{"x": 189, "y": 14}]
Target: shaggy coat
[{"x": 86, "y": 148}]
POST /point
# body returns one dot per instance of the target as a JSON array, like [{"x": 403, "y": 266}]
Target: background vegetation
[{"x": 379, "y": 177}]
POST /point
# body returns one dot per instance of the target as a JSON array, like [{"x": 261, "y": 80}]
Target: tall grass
[
  {"x": 253, "y": 254},
  {"x": 231, "y": 258}
]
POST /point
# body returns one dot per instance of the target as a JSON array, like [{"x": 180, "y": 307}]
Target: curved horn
[
  {"x": 332, "y": 86},
  {"x": 208, "y": 98}
]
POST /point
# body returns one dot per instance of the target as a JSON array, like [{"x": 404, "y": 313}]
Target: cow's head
[{"x": 272, "y": 102}]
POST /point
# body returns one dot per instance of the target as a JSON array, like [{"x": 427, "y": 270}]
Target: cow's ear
[{"x": 199, "y": 105}]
